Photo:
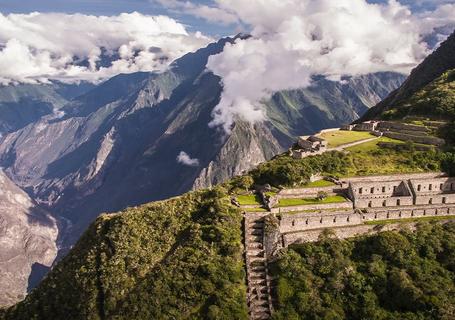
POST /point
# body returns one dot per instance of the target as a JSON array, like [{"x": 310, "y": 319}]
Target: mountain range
[
  {"x": 182, "y": 257},
  {"x": 80, "y": 150}
]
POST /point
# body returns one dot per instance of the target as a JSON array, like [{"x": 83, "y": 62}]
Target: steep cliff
[{"x": 27, "y": 241}]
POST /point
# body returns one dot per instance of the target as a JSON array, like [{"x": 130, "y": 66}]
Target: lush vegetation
[
  {"x": 286, "y": 171},
  {"x": 249, "y": 199},
  {"x": 286, "y": 202},
  {"x": 338, "y": 138},
  {"x": 435, "y": 99},
  {"x": 176, "y": 259},
  {"x": 373, "y": 145},
  {"x": 392, "y": 275}
]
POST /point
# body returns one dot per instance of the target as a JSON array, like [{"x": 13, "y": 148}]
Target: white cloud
[
  {"x": 292, "y": 40},
  {"x": 37, "y": 47},
  {"x": 185, "y": 159}
]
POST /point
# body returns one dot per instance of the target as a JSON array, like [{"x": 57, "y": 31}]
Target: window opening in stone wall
[
  {"x": 383, "y": 189},
  {"x": 430, "y": 201},
  {"x": 441, "y": 186},
  {"x": 370, "y": 204},
  {"x": 372, "y": 190},
  {"x": 430, "y": 187},
  {"x": 398, "y": 202},
  {"x": 444, "y": 199},
  {"x": 384, "y": 203},
  {"x": 360, "y": 190},
  {"x": 419, "y": 187}
]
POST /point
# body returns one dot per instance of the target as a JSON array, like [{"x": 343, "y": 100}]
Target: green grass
[
  {"x": 249, "y": 200},
  {"x": 319, "y": 184},
  {"x": 390, "y": 221},
  {"x": 255, "y": 210},
  {"x": 288, "y": 202},
  {"x": 338, "y": 138},
  {"x": 372, "y": 145}
]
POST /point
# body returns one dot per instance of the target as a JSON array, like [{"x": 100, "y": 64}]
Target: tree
[{"x": 322, "y": 195}]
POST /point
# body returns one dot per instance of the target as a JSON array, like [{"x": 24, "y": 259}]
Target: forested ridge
[{"x": 391, "y": 275}]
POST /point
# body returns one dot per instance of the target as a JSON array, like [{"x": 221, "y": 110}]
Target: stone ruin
[
  {"x": 368, "y": 199},
  {"x": 309, "y": 145}
]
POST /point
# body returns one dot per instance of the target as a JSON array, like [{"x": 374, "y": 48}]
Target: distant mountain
[
  {"x": 440, "y": 61},
  {"x": 23, "y": 104},
  {"x": 117, "y": 145},
  {"x": 27, "y": 237}
]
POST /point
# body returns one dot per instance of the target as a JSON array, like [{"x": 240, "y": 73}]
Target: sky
[
  {"x": 292, "y": 41},
  {"x": 156, "y": 7},
  {"x": 115, "y": 7}
]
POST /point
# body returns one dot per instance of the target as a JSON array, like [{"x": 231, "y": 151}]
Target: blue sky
[{"x": 113, "y": 7}]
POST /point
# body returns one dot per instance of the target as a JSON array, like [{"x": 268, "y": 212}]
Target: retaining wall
[
  {"x": 347, "y": 231},
  {"x": 308, "y": 221},
  {"x": 326, "y": 206},
  {"x": 304, "y": 192},
  {"x": 417, "y": 139},
  {"x": 384, "y": 201},
  {"x": 388, "y": 125}
]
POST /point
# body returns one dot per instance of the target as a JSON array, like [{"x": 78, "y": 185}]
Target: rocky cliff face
[
  {"x": 117, "y": 145},
  {"x": 27, "y": 242}
]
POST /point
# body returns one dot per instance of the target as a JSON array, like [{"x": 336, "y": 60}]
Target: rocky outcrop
[{"x": 27, "y": 242}]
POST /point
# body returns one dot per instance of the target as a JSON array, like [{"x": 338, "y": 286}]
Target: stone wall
[
  {"x": 384, "y": 201},
  {"x": 308, "y": 221},
  {"x": 325, "y": 206},
  {"x": 295, "y": 229},
  {"x": 343, "y": 232},
  {"x": 417, "y": 139},
  {"x": 305, "y": 192},
  {"x": 427, "y": 175},
  {"x": 435, "y": 199},
  {"x": 433, "y": 191},
  {"x": 424, "y": 186},
  {"x": 328, "y": 130},
  {"x": 397, "y": 126},
  {"x": 380, "y": 188}
]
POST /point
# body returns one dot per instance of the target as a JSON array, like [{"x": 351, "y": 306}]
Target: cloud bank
[
  {"x": 292, "y": 40},
  {"x": 185, "y": 159},
  {"x": 37, "y": 47}
]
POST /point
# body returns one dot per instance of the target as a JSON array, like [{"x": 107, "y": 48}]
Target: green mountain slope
[
  {"x": 176, "y": 259},
  {"x": 440, "y": 61}
]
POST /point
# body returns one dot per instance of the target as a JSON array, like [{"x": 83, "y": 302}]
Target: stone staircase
[{"x": 258, "y": 296}]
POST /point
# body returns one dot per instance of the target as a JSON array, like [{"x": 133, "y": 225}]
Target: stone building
[
  {"x": 433, "y": 191},
  {"x": 373, "y": 194},
  {"x": 312, "y": 143},
  {"x": 365, "y": 126}
]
